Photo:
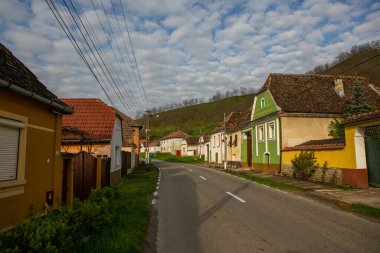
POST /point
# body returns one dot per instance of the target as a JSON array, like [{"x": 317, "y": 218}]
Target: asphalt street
[{"x": 204, "y": 210}]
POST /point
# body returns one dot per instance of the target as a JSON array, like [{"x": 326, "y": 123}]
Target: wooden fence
[{"x": 84, "y": 174}]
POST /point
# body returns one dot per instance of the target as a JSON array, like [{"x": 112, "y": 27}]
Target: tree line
[{"x": 355, "y": 50}]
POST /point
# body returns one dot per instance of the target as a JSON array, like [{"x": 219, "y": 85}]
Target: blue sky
[{"x": 191, "y": 49}]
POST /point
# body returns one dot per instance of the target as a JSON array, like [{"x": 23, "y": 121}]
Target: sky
[{"x": 187, "y": 49}]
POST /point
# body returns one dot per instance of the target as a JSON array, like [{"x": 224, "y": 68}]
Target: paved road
[{"x": 203, "y": 210}]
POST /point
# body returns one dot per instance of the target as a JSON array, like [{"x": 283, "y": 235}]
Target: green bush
[
  {"x": 304, "y": 165},
  {"x": 64, "y": 230}
]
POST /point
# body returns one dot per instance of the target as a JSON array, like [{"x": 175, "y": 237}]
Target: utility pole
[
  {"x": 147, "y": 137},
  {"x": 225, "y": 143}
]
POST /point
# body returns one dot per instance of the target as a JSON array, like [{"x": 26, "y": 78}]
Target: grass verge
[
  {"x": 177, "y": 159},
  {"x": 363, "y": 209},
  {"x": 132, "y": 210},
  {"x": 268, "y": 182}
]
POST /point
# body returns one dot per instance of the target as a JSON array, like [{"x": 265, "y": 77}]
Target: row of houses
[
  {"x": 42, "y": 138},
  {"x": 291, "y": 113}
]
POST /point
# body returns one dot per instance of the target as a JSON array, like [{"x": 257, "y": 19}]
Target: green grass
[
  {"x": 268, "y": 182},
  {"x": 131, "y": 204},
  {"x": 364, "y": 209},
  {"x": 177, "y": 159}
]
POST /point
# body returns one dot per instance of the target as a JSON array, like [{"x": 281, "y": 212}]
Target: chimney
[{"x": 339, "y": 87}]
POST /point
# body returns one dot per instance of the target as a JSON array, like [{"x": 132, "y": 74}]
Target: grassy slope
[
  {"x": 196, "y": 119},
  {"x": 365, "y": 64}
]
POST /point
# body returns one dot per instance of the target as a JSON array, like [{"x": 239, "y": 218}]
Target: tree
[
  {"x": 304, "y": 165},
  {"x": 357, "y": 103},
  {"x": 336, "y": 129}
]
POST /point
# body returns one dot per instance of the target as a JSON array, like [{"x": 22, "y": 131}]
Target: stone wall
[{"x": 322, "y": 174}]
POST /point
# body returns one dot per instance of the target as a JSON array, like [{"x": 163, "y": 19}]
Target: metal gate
[{"x": 372, "y": 148}]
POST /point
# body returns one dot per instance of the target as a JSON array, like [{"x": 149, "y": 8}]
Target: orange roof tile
[
  {"x": 178, "y": 134},
  {"x": 92, "y": 116},
  {"x": 362, "y": 117},
  {"x": 337, "y": 143}
]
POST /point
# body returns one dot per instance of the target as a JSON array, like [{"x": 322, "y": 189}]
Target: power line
[
  {"x": 133, "y": 52},
  {"x": 117, "y": 91}
]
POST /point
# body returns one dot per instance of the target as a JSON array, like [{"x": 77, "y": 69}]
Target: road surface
[{"x": 204, "y": 210}]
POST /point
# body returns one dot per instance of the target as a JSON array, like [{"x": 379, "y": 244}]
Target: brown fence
[
  {"x": 125, "y": 162},
  {"x": 84, "y": 174}
]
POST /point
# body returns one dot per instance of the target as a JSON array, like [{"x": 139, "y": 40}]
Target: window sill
[{"x": 11, "y": 188}]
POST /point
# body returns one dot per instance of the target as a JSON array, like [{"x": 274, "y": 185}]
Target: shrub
[
  {"x": 64, "y": 230},
  {"x": 304, "y": 165}
]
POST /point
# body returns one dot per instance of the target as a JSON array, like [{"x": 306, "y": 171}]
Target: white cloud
[{"x": 187, "y": 49}]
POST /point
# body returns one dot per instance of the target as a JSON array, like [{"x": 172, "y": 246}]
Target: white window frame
[
  {"x": 260, "y": 133},
  {"x": 271, "y": 130},
  {"x": 15, "y": 186},
  {"x": 262, "y": 103}
]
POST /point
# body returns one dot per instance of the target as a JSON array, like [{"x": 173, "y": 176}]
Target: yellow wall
[
  {"x": 297, "y": 130},
  {"x": 234, "y": 150},
  {"x": 43, "y": 162},
  {"x": 339, "y": 158}
]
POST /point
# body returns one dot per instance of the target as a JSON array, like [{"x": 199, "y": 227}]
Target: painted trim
[
  {"x": 361, "y": 162},
  {"x": 257, "y": 145},
  {"x": 41, "y": 128},
  {"x": 262, "y": 103},
  {"x": 274, "y": 129},
  {"x": 278, "y": 135},
  {"x": 266, "y": 136},
  {"x": 274, "y": 101},
  {"x": 253, "y": 108}
]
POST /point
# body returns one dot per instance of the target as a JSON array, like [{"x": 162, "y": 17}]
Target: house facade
[
  {"x": 171, "y": 143},
  {"x": 217, "y": 148},
  {"x": 203, "y": 149},
  {"x": 30, "y": 133},
  {"x": 131, "y": 137},
  {"x": 234, "y": 137},
  {"x": 96, "y": 128},
  {"x": 291, "y": 109},
  {"x": 189, "y": 146},
  {"x": 154, "y": 147}
]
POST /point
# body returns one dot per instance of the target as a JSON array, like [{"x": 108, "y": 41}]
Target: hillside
[
  {"x": 366, "y": 64},
  {"x": 195, "y": 119}
]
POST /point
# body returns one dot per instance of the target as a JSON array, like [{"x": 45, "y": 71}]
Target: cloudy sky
[{"x": 185, "y": 49}]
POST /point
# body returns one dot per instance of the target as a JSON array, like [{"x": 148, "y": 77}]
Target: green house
[{"x": 291, "y": 109}]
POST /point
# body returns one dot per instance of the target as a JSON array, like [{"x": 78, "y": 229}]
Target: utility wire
[
  {"x": 133, "y": 52},
  {"x": 76, "y": 46}
]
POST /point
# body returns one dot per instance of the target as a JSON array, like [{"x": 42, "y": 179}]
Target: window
[
  {"x": 12, "y": 153},
  {"x": 9, "y": 139},
  {"x": 235, "y": 141},
  {"x": 271, "y": 133},
  {"x": 230, "y": 142},
  {"x": 213, "y": 144},
  {"x": 261, "y": 133},
  {"x": 262, "y": 103},
  {"x": 218, "y": 140}
]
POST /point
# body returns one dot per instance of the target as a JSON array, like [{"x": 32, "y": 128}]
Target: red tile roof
[
  {"x": 92, "y": 116},
  {"x": 362, "y": 117},
  {"x": 338, "y": 143},
  {"x": 178, "y": 134}
]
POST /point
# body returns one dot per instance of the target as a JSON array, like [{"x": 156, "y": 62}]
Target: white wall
[
  {"x": 217, "y": 147},
  {"x": 116, "y": 145}
]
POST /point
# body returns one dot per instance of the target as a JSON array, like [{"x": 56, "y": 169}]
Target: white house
[
  {"x": 203, "y": 148},
  {"x": 171, "y": 143},
  {"x": 189, "y": 146}
]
